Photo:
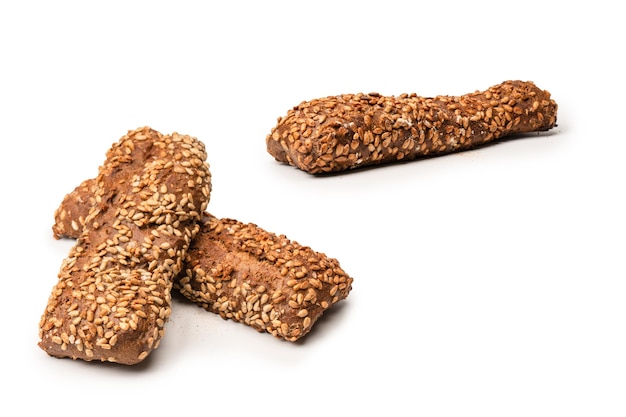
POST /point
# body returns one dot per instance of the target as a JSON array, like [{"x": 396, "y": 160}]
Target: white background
[{"x": 486, "y": 283}]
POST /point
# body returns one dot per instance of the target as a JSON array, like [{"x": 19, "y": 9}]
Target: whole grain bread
[
  {"x": 349, "y": 131},
  {"x": 112, "y": 298},
  {"x": 267, "y": 281}
]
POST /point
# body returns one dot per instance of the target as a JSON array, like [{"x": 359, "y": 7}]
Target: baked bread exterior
[
  {"x": 112, "y": 298},
  {"x": 267, "y": 281},
  {"x": 243, "y": 272},
  {"x": 349, "y": 131}
]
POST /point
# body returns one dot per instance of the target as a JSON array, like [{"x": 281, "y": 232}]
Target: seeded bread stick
[
  {"x": 112, "y": 297},
  {"x": 349, "y": 131},
  {"x": 245, "y": 273},
  {"x": 264, "y": 280}
]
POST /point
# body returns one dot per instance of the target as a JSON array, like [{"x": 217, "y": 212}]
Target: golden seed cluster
[{"x": 349, "y": 131}]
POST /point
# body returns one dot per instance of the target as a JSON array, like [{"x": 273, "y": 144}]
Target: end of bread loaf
[{"x": 69, "y": 217}]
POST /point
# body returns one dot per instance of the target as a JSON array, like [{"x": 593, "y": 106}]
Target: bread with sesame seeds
[
  {"x": 243, "y": 272},
  {"x": 267, "y": 281},
  {"x": 112, "y": 298},
  {"x": 349, "y": 131}
]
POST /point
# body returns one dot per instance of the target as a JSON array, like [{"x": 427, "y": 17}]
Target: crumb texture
[{"x": 349, "y": 131}]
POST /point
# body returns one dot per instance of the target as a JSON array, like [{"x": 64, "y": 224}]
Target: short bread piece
[
  {"x": 264, "y": 280},
  {"x": 112, "y": 298},
  {"x": 350, "y": 131}
]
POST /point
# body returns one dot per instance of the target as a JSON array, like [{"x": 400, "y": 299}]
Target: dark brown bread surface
[
  {"x": 245, "y": 273},
  {"x": 69, "y": 217},
  {"x": 264, "y": 280},
  {"x": 112, "y": 297},
  {"x": 349, "y": 131}
]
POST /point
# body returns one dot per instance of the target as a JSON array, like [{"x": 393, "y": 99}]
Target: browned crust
[
  {"x": 245, "y": 273},
  {"x": 349, "y": 131},
  {"x": 267, "y": 281},
  {"x": 69, "y": 217},
  {"x": 112, "y": 297}
]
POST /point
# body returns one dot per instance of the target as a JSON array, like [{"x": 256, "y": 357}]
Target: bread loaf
[
  {"x": 267, "y": 281},
  {"x": 350, "y": 131},
  {"x": 112, "y": 298}
]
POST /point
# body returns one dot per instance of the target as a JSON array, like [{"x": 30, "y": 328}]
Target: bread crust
[
  {"x": 267, "y": 281},
  {"x": 245, "y": 273},
  {"x": 112, "y": 298},
  {"x": 351, "y": 131}
]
